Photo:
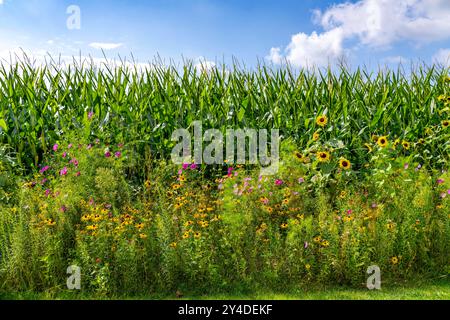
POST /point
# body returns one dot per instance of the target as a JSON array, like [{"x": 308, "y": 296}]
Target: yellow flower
[
  {"x": 197, "y": 235},
  {"x": 396, "y": 143},
  {"x": 374, "y": 138},
  {"x": 50, "y": 222},
  {"x": 140, "y": 226},
  {"x": 325, "y": 243},
  {"x": 92, "y": 228},
  {"x": 308, "y": 266},
  {"x": 298, "y": 155},
  {"x": 284, "y": 226},
  {"x": 143, "y": 236},
  {"x": 317, "y": 239},
  {"x": 382, "y": 141},
  {"x": 445, "y": 123},
  {"x": 406, "y": 145},
  {"x": 186, "y": 235},
  {"x": 147, "y": 184},
  {"x": 323, "y": 156},
  {"x": 369, "y": 148},
  {"x": 188, "y": 223},
  {"x": 322, "y": 120},
  {"x": 178, "y": 205},
  {"x": 390, "y": 226},
  {"x": 344, "y": 164},
  {"x": 316, "y": 136},
  {"x": 176, "y": 186},
  {"x": 394, "y": 260},
  {"x": 441, "y": 97},
  {"x": 285, "y": 201},
  {"x": 173, "y": 245}
]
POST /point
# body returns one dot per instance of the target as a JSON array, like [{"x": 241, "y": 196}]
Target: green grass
[{"x": 438, "y": 290}]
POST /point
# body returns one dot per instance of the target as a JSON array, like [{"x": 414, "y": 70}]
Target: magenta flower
[
  {"x": 63, "y": 209},
  {"x": 47, "y": 192},
  {"x": 193, "y": 166},
  {"x": 278, "y": 182},
  {"x": 74, "y": 162},
  {"x": 55, "y": 147},
  {"x": 185, "y": 166},
  {"x": 44, "y": 169},
  {"x": 118, "y": 154},
  {"x": 44, "y": 181},
  {"x": 230, "y": 171},
  {"x": 90, "y": 115},
  {"x": 78, "y": 174},
  {"x": 448, "y": 191},
  {"x": 440, "y": 181},
  {"x": 63, "y": 172},
  {"x": 107, "y": 154},
  {"x": 349, "y": 211},
  {"x": 64, "y": 155}
]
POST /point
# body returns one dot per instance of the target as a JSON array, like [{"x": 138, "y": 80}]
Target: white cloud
[
  {"x": 105, "y": 45},
  {"x": 372, "y": 23},
  {"x": 203, "y": 65},
  {"x": 442, "y": 57},
  {"x": 395, "y": 59}
]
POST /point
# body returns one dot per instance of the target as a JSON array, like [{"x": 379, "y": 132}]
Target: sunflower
[
  {"x": 394, "y": 260},
  {"x": 325, "y": 243},
  {"x": 186, "y": 235},
  {"x": 316, "y": 136},
  {"x": 344, "y": 164},
  {"x": 406, "y": 145},
  {"x": 173, "y": 245},
  {"x": 421, "y": 141},
  {"x": 445, "y": 123},
  {"x": 284, "y": 226},
  {"x": 322, "y": 120},
  {"x": 368, "y": 147},
  {"x": 197, "y": 235},
  {"x": 143, "y": 236},
  {"x": 317, "y": 239},
  {"x": 382, "y": 141},
  {"x": 323, "y": 156},
  {"x": 298, "y": 155},
  {"x": 396, "y": 143}
]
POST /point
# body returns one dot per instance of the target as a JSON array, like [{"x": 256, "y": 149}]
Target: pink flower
[
  {"x": 63, "y": 209},
  {"x": 406, "y": 166},
  {"x": 74, "y": 162},
  {"x": 306, "y": 245},
  {"x": 301, "y": 180},
  {"x": 90, "y": 115},
  {"x": 55, "y": 147},
  {"x": 78, "y": 174},
  {"x": 63, "y": 172},
  {"x": 440, "y": 181},
  {"x": 185, "y": 166},
  {"x": 349, "y": 211},
  {"x": 120, "y": 145},
  {"x": 107, "y": 154},
  {"x": 230, "y": 171},
  {"x": 193, "y": 166},
  {"x": 278, "y": 182},
  {"x": 44, "y": 169},
  {"x": 448, "y": 191},
  {"x": 64, "y": 155},
  {"x": 118, "y": 154},
  {"x": 180, "y": 172},
  {"x": 69, "y": 146},
  {"x": 89, "y": 147},
  {"x": 47, "y": 192}
]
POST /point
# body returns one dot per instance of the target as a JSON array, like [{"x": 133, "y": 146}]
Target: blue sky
[{"x": 303, "y": 33}]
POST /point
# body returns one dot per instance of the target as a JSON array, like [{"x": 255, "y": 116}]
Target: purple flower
[
  {"x": 118, "y": 154},
  {"x": 440, "y": 181},
  {"x": 63, "y": 172},
  {"x": 90, "y": 115},
  {"x": 306, "y": 245},
  {"x": 301, "y": 180},
  {"x": 278, "y": 182},
  {"x": 44, "y": 169},
  {"x": 107, "y": 154},
  {"x": 55, "y": 147}
]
